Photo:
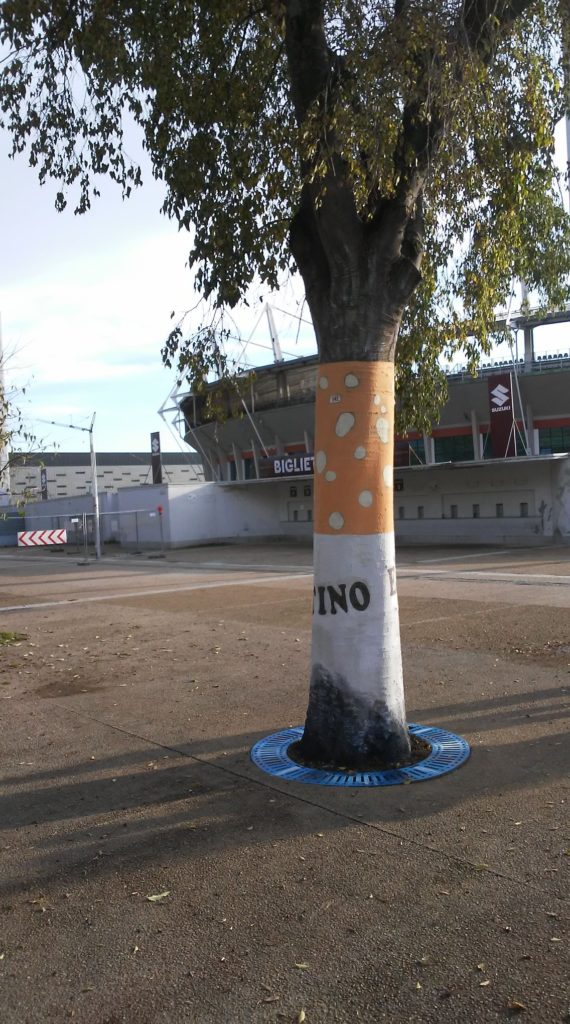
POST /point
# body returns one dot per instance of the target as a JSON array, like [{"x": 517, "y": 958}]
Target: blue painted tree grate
[{"x": 448, "y": 751}]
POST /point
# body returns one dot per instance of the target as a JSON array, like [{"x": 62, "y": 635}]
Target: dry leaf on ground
[{"x": 158, "y": 897}]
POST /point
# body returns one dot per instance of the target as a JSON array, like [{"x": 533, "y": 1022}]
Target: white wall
[
  {"x": 68, "y": 481},
  {"x": 211, "y": 512},
  {"x": 508, "y": 483},
  {"x": 206, "y": 512},
  {"x": 561, "y": 501},
  {"x": 58, "y": 513}
]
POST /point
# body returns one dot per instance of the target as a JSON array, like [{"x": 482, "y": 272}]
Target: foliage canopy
[{"x": 399, "y": 152}]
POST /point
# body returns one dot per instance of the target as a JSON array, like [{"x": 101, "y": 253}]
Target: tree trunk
[
  {"x": 358, "y": 276},
  {"x": 356, "y": 714}
]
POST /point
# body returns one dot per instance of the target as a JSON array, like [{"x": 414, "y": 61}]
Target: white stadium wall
[
  {"x": 442, "y": 504},
  {"x": 516, "y": 501}
]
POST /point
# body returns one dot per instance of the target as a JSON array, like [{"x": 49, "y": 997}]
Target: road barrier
[{"x": 39, "y": 538}]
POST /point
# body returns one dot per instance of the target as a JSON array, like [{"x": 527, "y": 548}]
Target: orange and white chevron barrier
[{"x": 39, "y": 538}]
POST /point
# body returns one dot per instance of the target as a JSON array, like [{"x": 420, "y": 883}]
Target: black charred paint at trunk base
[{"x": 347, "y": 731}]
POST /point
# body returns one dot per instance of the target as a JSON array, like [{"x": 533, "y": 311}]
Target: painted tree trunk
[{"x": 356, "y": 714}]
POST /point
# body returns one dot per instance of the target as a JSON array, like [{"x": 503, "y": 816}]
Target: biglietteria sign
[
  {"x": 287, "y": 465},
  {"x": 502, "y": 415}
]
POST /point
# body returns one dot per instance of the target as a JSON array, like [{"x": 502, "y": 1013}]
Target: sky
[{"x": 85, "y": 304}]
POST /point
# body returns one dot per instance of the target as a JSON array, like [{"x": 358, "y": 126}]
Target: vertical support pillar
[
  {"x": 239, "y": 463},
  {"x": 528, "y": 348},
  {"x": 531, "y": 432},
  {"x": 309, "y": 443},
  {"x": 476, "y": 434},
  {"x": 429, "y": 449},
  {"x": 224, "y": 467},
  {"x": 255, "y": 451}
]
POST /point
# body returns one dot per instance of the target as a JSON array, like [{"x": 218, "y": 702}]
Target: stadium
[{"x": 495, "y": 469}]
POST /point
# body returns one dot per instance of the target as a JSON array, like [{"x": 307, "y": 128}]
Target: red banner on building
[{"x": 502, "y": 416}]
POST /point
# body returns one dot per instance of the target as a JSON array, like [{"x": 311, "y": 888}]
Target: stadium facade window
[
  {"x": 476, "y": 511},
  {"x": 499, "y": 510},
  {"x": 292, "y": 492},
  {"x": 553, "y": 440},
  {"x": 524, "y": 509},
  {"x": 454, "y": 512},
  {"x": 401, "y": 512},
  {"x": 409, "y": 452},
  {"x": 420, "y": 511},
  {"x": 454, "y": 449}
]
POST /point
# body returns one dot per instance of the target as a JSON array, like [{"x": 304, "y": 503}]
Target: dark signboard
[
  {"x": 43, "y": 483},
  {"x": 299, "y": 464},
  {"x": 155, "y": 460},
  {"x": 502, "y": 415}
]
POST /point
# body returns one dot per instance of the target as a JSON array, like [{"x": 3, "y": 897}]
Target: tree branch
[
  {"x": 308, "y": 54},
  {"x": 482, "y": 20}
]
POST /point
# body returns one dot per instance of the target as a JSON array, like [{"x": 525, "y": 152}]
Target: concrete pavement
[{"x": 125, "y": 775}]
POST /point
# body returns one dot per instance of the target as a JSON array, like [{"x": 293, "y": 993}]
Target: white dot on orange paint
[
  {"x": 351, "y": 380},
  {"x": 360, "y": 452},
  {"x": 320, "y": 461},
  {"x": 330, "y": 475},
  {"x": 376, "y": 399},
  {"x": 383, "y": 429},
  {"x": 365, "y": 499},
  {"x": 344, "y": 424},
  {"x": 388, "y": 475},
  {"x": 336, "y": 521},
  {"x": 323, "y": 382},
  {"x": 383, "y": 409}
]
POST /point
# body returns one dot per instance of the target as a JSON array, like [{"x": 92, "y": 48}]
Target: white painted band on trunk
[{"x": 360, "y": 644}]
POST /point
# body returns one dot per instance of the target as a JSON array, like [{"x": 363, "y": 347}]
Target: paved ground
[{"x": 128, "y": 715}]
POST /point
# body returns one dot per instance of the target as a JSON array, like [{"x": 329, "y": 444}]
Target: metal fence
[{"x": 134, "y": 530}]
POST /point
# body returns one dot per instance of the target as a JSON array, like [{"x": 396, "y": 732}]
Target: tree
[
  {"x": 13, "y": 429},
  {"x": 400, "y": 153}
]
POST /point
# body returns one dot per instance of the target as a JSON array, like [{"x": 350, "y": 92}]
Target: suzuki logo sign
[
  {"x": 502, "y": 416},
  {"x": 500, "y": 395},
  {"x": 155, "y": 459}
]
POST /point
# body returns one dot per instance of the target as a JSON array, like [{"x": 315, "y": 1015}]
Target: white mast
[{"x": 4, "y": 454}]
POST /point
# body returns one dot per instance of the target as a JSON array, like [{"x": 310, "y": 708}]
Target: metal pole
[
  {"x": 95, "y": 491},
  {"x": 161, "y": 533},
  {"x": 277, "y": 353},
  {"x": 4, "y": 454},
  {"x": 85, "y": 544}
]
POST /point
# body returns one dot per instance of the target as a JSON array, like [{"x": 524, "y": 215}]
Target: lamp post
[{"x": 94, "y": 489}]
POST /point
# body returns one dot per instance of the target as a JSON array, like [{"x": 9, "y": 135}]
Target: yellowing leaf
[
  {"x": 515, "y": 1006},
  {"x": 302, "y": 967},
  {"x": 158, "y": 897},
  {"x": 302, "y": 1017}
]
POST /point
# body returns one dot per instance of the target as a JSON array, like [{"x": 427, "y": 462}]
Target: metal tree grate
[{"x": 447, "y": 753}]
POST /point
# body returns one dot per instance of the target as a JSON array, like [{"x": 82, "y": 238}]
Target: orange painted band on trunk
[{"x": 354, "y": 448}]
